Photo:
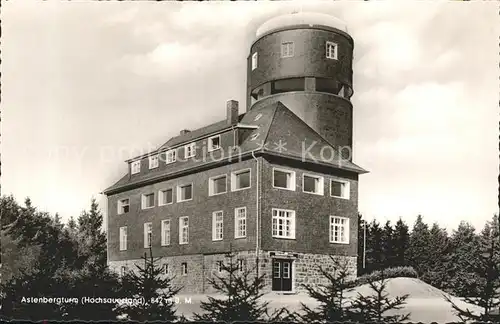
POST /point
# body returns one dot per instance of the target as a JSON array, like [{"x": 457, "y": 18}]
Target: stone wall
[{"x": 203, "y": 267}]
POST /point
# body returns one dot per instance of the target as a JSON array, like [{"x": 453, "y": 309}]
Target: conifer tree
[
  {"x": 418, "y": 251},
  {"x": 241, "y": 290},
  {"x": 388, "y": 252},
  {"x": 374, "y": 249},
  {"x": 374, "y": 307},
  {"x": 436, "y": 275},
  {"x": 401, "y": 243},
  {"x": 333, "y": 304},
  {"x": 487, "y": 269},
  {"x": 148, "y": 283}
]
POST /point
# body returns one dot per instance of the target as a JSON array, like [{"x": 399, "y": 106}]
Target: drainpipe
[{"x": 257, "y": 213}]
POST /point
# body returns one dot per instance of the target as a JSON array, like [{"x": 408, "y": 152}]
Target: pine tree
[
  {"x": 463, "y": 250},
  {"x": 333, "y": 304},
  {"x": 388, "y": 252},
  {"x": 242, "y": 291},
  {"x": 154, "y": 288},
  {"x": 401, "y": 243},
  {"x": 487, "y": 269},
  {"x": 374, "y": 307},
  {"x": 436, "y": 274},
  {"x": 374, "y": 249},
  {"x": 418, "y": 251}
]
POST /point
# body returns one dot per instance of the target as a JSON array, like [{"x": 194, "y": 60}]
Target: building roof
[
  {"x": 278, "y": 132},
  {"x": 300, "y": 18}
]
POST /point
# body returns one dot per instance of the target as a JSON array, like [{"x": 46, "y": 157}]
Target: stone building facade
[{"x": 273, "y": 185}]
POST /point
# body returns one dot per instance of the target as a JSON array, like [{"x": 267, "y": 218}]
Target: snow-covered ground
[{"x": 425, "y": 303}]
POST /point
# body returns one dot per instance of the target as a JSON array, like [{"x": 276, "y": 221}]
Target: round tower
[{"x": 304, "y": 60}]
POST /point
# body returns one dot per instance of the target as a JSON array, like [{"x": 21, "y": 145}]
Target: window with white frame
[
  {"x": 189, "y": 150},
  {"x": 123, "y": 270},
  {"x": 242, "y": 265},
  {"x": 123, "y": 238},
  {"x": 217, "y": 225},
  {"x": 123, "y": 206},
  {"x": 240, "y": 222},
  {"x": 165, "y": 232},
  {"x": 217, "y": 185},
  {"x": 148, "y": 233},
  {"x": 135, "y": 167},
  {"x": 184, "y": 192},
  {"x": 153, "y": 161},
  {"x": 165, "y": 197},
  {"x": 339, "y": 230},
  {"x": 283, "y": 223},
  {"x": 148, "y": 200},
  {"x": 255, "y": 57},
  {"x": 184, "y": 230},
  {"x": 339, "y": 189},
  {"x": 171, "y": 156},
  {"x": 184, "y": 268},
  {"x": 331, "y": 50},
  {"x": 284, "y": 179},
  {"x": 214, "y": 143},
  {"x": 240, "y": 180},
  {"x": 312, "y": 184},
  {"x": 287, "y": 49}
]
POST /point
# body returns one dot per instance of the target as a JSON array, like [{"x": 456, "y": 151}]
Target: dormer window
[
  {"x": 331, "y": 50},
  {"x": 153, "y": 161},
  {"x": 135, "y": 167},
  {"x": 190, "y": 150},
  {"x": 214, "y": 143},
  {"x": 171, "y": 156}
]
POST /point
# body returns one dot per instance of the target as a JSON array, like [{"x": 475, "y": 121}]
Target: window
[
  {"x": 339, "y": 189},
  {"x": 329, "y": 86},
  {"x": 219, "y": 266},
  {"x": 123, "y": 270},
  {"x": 148, "y": 232},
  {"x": 165, "y": 197},
  {"x": 339, "y": 230},
  {"x": 165, "y": 232},
  {"x": 287, "y": 49},
  {"x": 189, "y": 150},
  {"x": 312, "y": 184},
  {"x": 217, "y": 185},
  {"x": 283, "y": 179},
  {"x": 254, "y": 60},
  {"x": 165, "y": 269},
  {"x": 331, "y": 50},
  {"x": 217, "y": 225},
  {"x": 184, "y": 268},
  {"x": 283, "y": 223},
  {"x": 135, "y": 167},
  {"x": 171, "y": 156},
  {"x": 242, "y": 265},
  {"x": 148, "y": 201},
  {"x": 184, "y": 192},
  {"x": 123, "y": 206},
  {"x": 123, "y": 238},
  {"x": 288, "y": 85},
  {"x": 214, "y": 143},
  {"x": 240, "y": 180},
  {"x": 153, "y": 161},
  {"x": 184, "y": 230},
  {"x": 240, "y": 222}
]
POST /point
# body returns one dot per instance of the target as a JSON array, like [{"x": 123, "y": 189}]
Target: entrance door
[{"x": 282, "y": 275}]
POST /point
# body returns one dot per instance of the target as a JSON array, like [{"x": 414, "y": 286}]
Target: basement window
[{"x": 184, "y": 268}]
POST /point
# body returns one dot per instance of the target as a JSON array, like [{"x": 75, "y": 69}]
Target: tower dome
[{"x": 301, "y": 18}]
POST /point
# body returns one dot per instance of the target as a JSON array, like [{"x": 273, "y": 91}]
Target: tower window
[
  {"x": 329, "y": 85},
  {"x": 254, "y": 60},
  {"x": 287, "y": 49},
  {"x": 331, "y": 50},
  {"x": 287, "y": 85}
]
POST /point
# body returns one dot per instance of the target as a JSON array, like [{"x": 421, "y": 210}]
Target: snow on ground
[{"x": 425, "y": 303}]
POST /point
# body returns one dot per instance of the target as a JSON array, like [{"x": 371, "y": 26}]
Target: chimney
[
  {"x": 232, "y": 112},
  {"x": 184, "y": 131}
]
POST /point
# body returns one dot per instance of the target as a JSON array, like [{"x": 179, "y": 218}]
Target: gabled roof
[{"x": 279, "y": 132}]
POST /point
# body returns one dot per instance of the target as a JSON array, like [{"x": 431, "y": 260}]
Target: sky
[{"x": 87, "y": 85}]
